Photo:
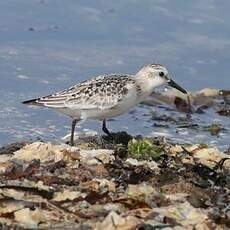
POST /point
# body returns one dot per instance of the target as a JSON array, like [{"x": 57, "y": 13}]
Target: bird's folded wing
[
  {"x": 101, "y": 101},
  {"x": 99, "y": 93},
  {"x": 98, "y": 100}
]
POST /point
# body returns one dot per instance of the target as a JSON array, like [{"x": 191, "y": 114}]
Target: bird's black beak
[{"x": 176, "y": 86}]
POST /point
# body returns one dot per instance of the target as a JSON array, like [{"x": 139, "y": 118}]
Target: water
[{"x": 48, "y": 45}]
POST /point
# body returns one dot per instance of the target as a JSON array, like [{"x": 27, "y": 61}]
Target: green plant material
[
  {"x": 186, "y": 145},
  {"x": 203, "y": 145},
  {"x": 144, "y": 150},
  {"x": 214, "y": 129}
]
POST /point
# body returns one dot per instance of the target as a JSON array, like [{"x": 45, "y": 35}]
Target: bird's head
[{"x": 157, "y": 75}]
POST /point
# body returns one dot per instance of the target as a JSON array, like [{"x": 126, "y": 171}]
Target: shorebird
[{"x": 106, "y": 96}]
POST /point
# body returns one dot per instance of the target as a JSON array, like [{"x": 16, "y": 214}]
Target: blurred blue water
[{"x": 48, "y": 45}]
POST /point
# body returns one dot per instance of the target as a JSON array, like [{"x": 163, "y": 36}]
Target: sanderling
[{"x": 106, "y": 96}]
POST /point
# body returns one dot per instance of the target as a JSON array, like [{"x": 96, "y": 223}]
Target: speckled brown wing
[{"x": 102, "y": 92}]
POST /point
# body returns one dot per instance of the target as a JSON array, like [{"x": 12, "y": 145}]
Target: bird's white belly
[
  {"x": 108, "y": 113},
  {"x": 100, "y": 114},
  {"x": 97, "y": 114}
]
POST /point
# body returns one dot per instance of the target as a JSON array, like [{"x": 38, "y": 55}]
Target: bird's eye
[{"x": 161, "y": 74}]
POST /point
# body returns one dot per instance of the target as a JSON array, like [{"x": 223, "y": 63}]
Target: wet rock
[
  {"x": 224, "y": 112},
  {"x": 11, "y": 148},
  {"x": 199, "y": 198},
  {"x": 214, "y": 129},
  {"x": 119, "y": 138}
]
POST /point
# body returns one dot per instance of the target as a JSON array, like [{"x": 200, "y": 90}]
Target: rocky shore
[{"x": 125, "y": 183}]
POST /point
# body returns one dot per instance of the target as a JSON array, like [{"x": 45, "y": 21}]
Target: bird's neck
[{"x": 147, "y": 84}]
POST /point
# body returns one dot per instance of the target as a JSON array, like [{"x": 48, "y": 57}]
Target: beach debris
[
  {"x": 114, "y": 221},
  {"x": 40, "y": 151},
  {"x": 97, "y": 156},
  {"x": 157, "y": 185},
  {"x": 144, "y": 149},
  {"x": 194, "y": 101}
]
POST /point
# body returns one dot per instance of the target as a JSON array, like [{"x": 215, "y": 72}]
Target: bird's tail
[{"x": 32, "y": 102}]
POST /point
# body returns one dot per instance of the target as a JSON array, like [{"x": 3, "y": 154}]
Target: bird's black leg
[
  {"x": 74, "y": 122},
  {"x": 105, "y": 130}
]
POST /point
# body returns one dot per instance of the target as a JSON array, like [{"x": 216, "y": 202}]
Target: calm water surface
[{"x": 48, "y": 45}]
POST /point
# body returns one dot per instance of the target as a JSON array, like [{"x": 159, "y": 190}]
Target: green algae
[{"x": 144, "y": 150}]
